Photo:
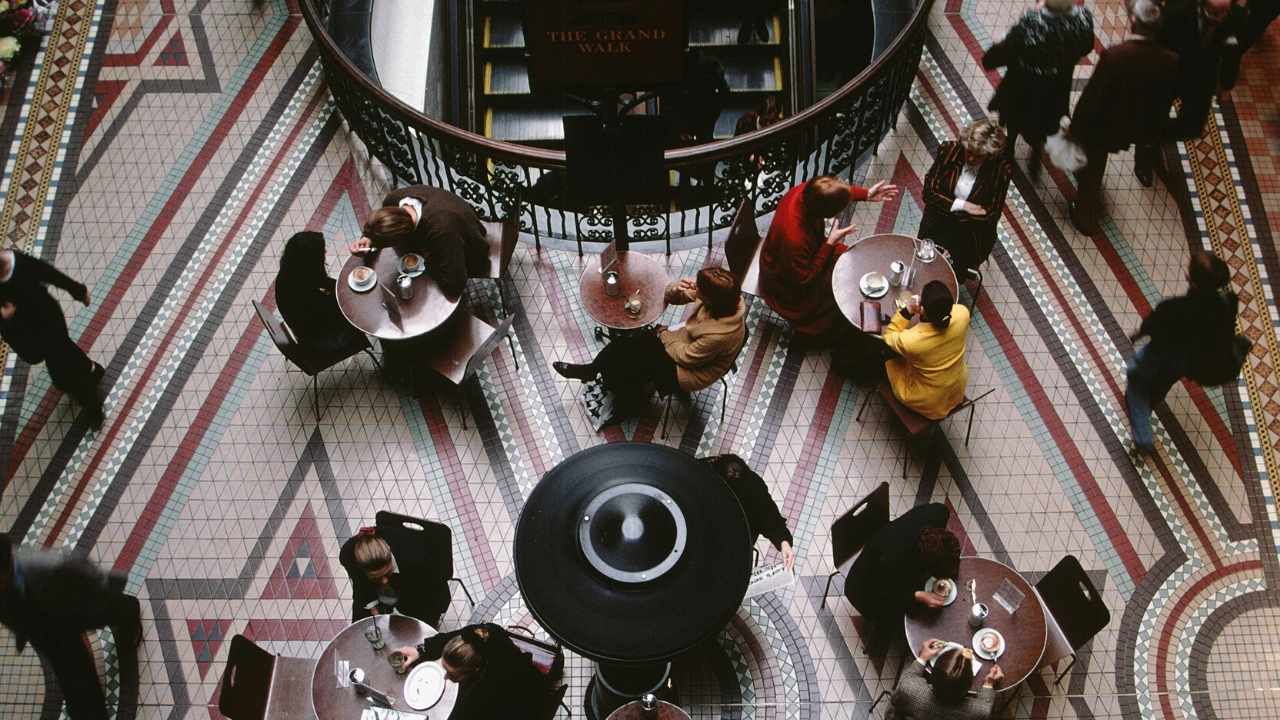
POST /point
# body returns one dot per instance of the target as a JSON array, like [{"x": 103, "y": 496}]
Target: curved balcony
[{"x": 498, "y": 178}]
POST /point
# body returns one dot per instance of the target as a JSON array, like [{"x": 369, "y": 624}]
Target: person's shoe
[
  {"x": 1145, "y": 176},
  {"x": 1084, "y": 228},
  {"x": 1142, "y": 452},
  {"x": 98, "y": 373},
  {"x": 96, "y": 417},
  {"x": 573, "y": 371}
]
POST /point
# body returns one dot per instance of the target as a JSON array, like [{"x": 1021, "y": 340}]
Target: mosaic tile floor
[{"x": 162, "y": 150}]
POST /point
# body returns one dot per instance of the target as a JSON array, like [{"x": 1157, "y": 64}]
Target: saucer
[
  {"x": 359, "y": 286},
  {"x": 977, "y": 644},
  {"x": 951, "y": 596},
  {"x": 874, "y": 285}
]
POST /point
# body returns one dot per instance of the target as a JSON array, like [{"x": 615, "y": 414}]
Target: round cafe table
[
  {"x": 427, "y": 310},
  {"x": 331, "y": 702},
  {"x": 874, "y": 253},
  {"x": 1025, "y": 632},
  {"x": 636, "y": 271}
]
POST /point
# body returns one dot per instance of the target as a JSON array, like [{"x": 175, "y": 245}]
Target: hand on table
[
  {"x": 7, "y": 309},
  {"x": 410, "y": 654},
  {"x": 788, "y": 556},
  {"x": 995, "y": 676},
  {"x": 361, "y": 246},
  {"x": 930, "y": 649},
  {"x": 882, "y": 191},
  {"x": 929, "y": 600},
  {"x": 839, "y": 233}
]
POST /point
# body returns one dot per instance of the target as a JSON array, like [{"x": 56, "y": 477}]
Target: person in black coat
[
  {"x": 381, "y": 585},
  {"x": 496, "y": 681},
  {"x": 50, "y": 600},
  {"x": 305, "y": 296},
  {"x": 888, "y": 577},
  {"x": 31, "y": 322},
  {"x": 763, "y": 516},
  {"x": 435, "y": 223},
  {"x": 1206, "y": 36}
]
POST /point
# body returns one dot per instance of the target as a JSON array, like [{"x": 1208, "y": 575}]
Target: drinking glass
[
  {"x": 398, "y": 663},
  {"x": 373, "y": 634}
]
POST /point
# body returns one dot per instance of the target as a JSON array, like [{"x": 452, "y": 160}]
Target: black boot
[{"x": 573, "y": 371}]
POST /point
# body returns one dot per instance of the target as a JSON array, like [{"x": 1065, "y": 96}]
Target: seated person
[
  {"x": 796, "y": 261},
  {"x": 437, "y": 224},
  {"x": 496, "y": 680},
  {"x": 950, "y": 674},
  {"x": 930, "y": 374},
  {"x": 964, "y": 195},
  {"x": 688, "y": 357},
  {"x": 304, "y": 294},
  {"x": 763, "y": 516},
  {"x": 888, "y": 577},
  {"x": 379, "y": 587}
]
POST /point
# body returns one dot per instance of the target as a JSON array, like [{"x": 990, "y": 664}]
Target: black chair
[
  {"x": 853, "y": 529},
  {"x": 1076, "y": 612},
  {"x": 742, "y": 247},
  {"x": 310, "y": 360},
  {"x": 502, "y": 238},
  {"x": 424, "y": 546},
  {"x": 548, "y": 658},
  {"x": 918, "y": 425},
  {"x": 458, "y": 358},
  {"x": 724, "y": 382},
  {"x": 256, "y": 684}
]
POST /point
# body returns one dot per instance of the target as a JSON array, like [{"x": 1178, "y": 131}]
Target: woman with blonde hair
[
  {"x": 381, "y": 584},
  {"x": 1040, "y": 50},
  {"x": 964, "y": 195}
]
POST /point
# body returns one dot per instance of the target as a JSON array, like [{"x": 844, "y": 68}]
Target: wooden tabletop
[
  {"x": 875, "y": 252},
  {"x": 636, "y": 271},
  {"x": 1025, "y": 632},
  {"x": 341, "y": 703},
  {"x": 419, "y": 315}
]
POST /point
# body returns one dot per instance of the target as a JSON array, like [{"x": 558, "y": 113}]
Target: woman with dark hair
[
  {"x": 936, "y": 687},
  {"x": 889, "y": 575},
  {"x": 964, "y": 194},
  {"x": 930, "y": 374},
  {"x": 796, "y": 260},
  {"x": 495, "y": 679},
  {"x": 305, "y": 295},
  {"x": 763, "y": 516},
  {"x": 687, "y": 357}
]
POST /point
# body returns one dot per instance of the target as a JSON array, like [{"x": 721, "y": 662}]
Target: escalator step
[
  {"x": 538, "y": 124},
  {"x": 753, "y": 74},
  {"x": 503, "y": 31},
  {"x": 503, "y": 77},
  {"x": 722, "y": 31}
]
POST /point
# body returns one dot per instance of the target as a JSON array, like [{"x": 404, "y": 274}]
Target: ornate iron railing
[{"x": 713, "y": 178}]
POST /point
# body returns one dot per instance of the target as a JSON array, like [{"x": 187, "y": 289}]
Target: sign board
[{"x": 621, "y": 44}]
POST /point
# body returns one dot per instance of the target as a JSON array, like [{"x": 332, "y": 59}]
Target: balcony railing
[{"x": 711, "y": 179}]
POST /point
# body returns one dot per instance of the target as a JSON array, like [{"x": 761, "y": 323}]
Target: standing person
[
  {"x": 1205, "y": 35},
  {"x": 1261, "y": 14},
  {"x": 1040, "y": 50},
  {"x": 1188, "y": 333},
  {"x": 50, "y": 600},
  {"x": 496, "y": 680},
  {"x": 943, "y": 692},
  {"x": 305, "y": 296},
  {"x": 33, "y": 325},
  {"x": 763, "y": 516},
  {"x": 437, "y": 224},
  {"x": 380, "y": 585},
  {"x": 796, "y": 260},
  {"x": 964, "y": 194},
  {"x": 1125, "y": 103}
]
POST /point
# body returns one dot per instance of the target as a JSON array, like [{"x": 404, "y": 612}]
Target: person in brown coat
[
  {"x": 437, "y": 224},
  {"x": 687, "y": 357},
  {"x": 1125, "y": 103}
]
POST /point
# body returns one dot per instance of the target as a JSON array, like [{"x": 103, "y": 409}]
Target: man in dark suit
[
  {"x": 1206, "y": 36},
  {"x": 1125, "y": 103},
  {"x": 50, "y": 600},
  {"x": 437, "y": 224}
]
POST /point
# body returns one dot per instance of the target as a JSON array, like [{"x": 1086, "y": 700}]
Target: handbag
[{"x": 1064, "y": 152}]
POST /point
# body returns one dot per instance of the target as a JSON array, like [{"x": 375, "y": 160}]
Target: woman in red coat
[{"x": 796, "y": 262}]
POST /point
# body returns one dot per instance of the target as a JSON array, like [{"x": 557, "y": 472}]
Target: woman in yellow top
[{"x": 931, "y": 375}]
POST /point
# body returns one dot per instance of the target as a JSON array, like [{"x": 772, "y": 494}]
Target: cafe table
[
  {"x": 376, "y": 312},
  {"x": 874, "y": 253},
  {"x": 636, "y": 272},
  {"x": 332, "y": 702},
  {"x": 1025, "y": 631}
]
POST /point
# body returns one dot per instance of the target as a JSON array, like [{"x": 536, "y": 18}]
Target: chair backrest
[
  {"x": 744, "y": 237},
  {"x": 510, "y": 237},
  {"x": 853, "y": 529},
  {"x": 483, "y": 351},
  {"x": 547, "y": 657},
  {"x": 246, "y": 682},
  {"x": 1073, "y": 601},
  {"x": 424, "y": 546},
  {"x": 746, "y": 338},
  {"x": 279, "y": 332}
]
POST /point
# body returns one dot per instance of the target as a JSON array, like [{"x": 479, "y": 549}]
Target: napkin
[{"x": 379, "y": 713}]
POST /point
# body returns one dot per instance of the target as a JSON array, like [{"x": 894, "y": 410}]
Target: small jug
[
  {"x": 612, "y": 287},
  {"x": 978, "y": 615},
  {"x": 405, "y": 284}
]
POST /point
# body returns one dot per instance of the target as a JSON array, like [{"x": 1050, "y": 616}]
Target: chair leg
[
  {"x": 465, "y": 591},
  {"x": 1057, "y": 680},
  {"x": 1009, "y": 698},
  {"x": 502, "y": 296},
  {"x": 374, "y": 358},
  {"x": 827, "y": 592},
  {"x": 666, "y": 410},
  {"x": 511, "y": 344},
  {"x": 755, "y": 556},
  {"x": 866, "y": 398},
  {"x": 883, "y": 694},
  {"x": 969, "y": 431},
  {"x": 724, "y": 399},
  {"x": 906, "y": 456},
  {"x": 315, "y": 396}
]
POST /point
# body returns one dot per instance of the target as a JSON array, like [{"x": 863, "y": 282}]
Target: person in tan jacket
[
  {"x": 931, "y": 375},
  {"x": 687, "y": 357}
]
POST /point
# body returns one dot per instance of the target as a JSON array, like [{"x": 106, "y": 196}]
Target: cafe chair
[
  {"x": 1076, "y": 612},
  {"x": 308, "y": 359},
  {"x": 425, "y": 549},
  {"x": 502, "y": 238},
  {"x": 548, "y": 658},
  {"x": 724, "y": 382},
  {"x": 742, "y": 247},
  {"x": 458, "y": 357},
  {"x": 853, "y": 529},
  {"x": 257, "y": 684},
  {"x": 917, "y": 425}
]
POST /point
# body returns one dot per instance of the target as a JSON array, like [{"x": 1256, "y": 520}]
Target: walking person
[
  {"x": 50, "y": 600},
  {"x": 1206, "y": 36},
  {"x": 1191, "y": 336},
  {"x": 33, "y": 325},
  {"x": 1040, "y": 50},
  {"x": 1125, "y": 103}
]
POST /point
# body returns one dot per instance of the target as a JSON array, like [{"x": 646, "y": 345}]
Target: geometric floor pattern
[{"x": 162, "y": 150}]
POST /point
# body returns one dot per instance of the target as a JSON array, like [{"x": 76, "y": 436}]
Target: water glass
[
  {"x": 397, "y": 660},
  {"x": 927, "y": 251},
  {"x": 373, "y": 634}
]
